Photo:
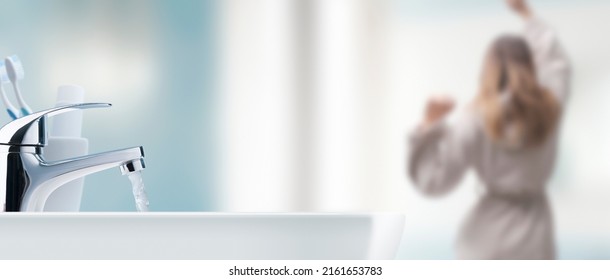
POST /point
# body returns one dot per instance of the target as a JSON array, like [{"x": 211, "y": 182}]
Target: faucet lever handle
[{"x": 30, "y": 130}]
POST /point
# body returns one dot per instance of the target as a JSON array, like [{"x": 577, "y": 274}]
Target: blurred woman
[{"x": 508, "y": 135}]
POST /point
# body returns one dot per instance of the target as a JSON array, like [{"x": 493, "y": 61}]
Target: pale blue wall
[{"x": 171, "y": 114}]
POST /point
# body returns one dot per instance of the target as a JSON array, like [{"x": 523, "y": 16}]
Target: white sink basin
[{"x": 199, "y": 236}]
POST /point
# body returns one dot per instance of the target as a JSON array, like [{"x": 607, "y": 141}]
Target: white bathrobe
[{"x": 512, "y": 219}]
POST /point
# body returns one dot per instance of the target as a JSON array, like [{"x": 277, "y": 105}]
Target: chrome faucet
[{"x": 27, "y": 180}]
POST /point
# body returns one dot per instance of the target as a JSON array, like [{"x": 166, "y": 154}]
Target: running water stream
[{"x": 139, "y": 193}]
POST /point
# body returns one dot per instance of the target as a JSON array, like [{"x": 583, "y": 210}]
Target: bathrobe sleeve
[
  {"x": 552, "y": 63},
  {"x": 440, "y": 154}
]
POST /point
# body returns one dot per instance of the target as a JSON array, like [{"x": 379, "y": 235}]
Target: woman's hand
[
  {"x": 520, "y": 7},
  {"x": 437, "y": 108}
]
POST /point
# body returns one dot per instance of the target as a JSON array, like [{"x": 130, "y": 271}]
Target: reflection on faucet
[{"x": 29, "y": 180}]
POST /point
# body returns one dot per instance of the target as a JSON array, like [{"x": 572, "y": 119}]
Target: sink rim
[
  {"x": 93, "y": 235},
  {"x": 228, "y": 214}
]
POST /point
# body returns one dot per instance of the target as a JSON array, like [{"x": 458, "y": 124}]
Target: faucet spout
[
  {"x": 27, "y": 179},
  {"x": 46, "y": 177}
]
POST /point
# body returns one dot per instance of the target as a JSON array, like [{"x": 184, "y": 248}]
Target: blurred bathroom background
[{"x": 304, "y": 105}]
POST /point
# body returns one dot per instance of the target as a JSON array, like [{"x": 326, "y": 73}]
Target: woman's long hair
[{"x": 517, "y": 110}]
